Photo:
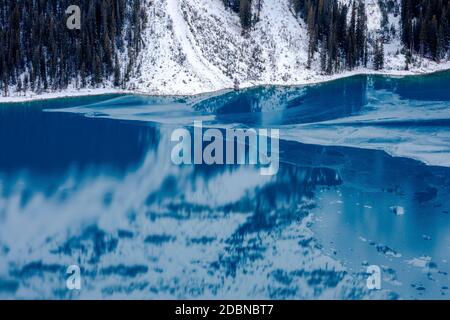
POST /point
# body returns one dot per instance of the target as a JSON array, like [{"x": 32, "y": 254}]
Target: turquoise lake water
[{"x": 89, "y": 181}]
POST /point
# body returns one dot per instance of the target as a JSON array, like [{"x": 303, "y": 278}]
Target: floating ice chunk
[
  {"x": 419, "y": 262},
  {"x": 398, "y": 210}
]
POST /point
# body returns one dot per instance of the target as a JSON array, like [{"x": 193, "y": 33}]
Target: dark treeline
[
  {"x": 39, "y": 52},
  {"x": 341, "y": 43},
  {"x": 338, "y": 32},
  {"x": 425, "y": 27}
]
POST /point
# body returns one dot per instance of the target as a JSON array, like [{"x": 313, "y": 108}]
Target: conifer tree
[
  {"x": 245, "y": 14},
  {"x": 35, "y": 42}
]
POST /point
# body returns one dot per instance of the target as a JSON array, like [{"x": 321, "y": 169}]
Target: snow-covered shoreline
[
  {"x": 317, "y": 79},
  {"x": 196, "y": 47},
  {"x": 69, "y": 93}
]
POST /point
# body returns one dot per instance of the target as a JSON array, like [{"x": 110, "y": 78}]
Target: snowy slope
[
  {"x": 372, "y": 11},
  {"x": 195, "y": 46}
]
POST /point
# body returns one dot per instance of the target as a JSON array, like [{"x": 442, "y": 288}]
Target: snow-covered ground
[
  {"x": 32, "y": 96},
  {"x": 197, "y": 46}
]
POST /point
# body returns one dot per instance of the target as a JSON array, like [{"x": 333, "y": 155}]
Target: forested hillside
[
  {"x": 338, "y": 29},
  {"x": 38, "y": 51},
  {"x": 192, "y": 46},
  {"x": 425, "y": 27}
]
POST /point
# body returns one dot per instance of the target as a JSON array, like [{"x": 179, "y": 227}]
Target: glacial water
[{"x": 89, "y": 181}]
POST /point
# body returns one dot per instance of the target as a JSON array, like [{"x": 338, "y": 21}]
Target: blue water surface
[{"x": 89, "y": 181}]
